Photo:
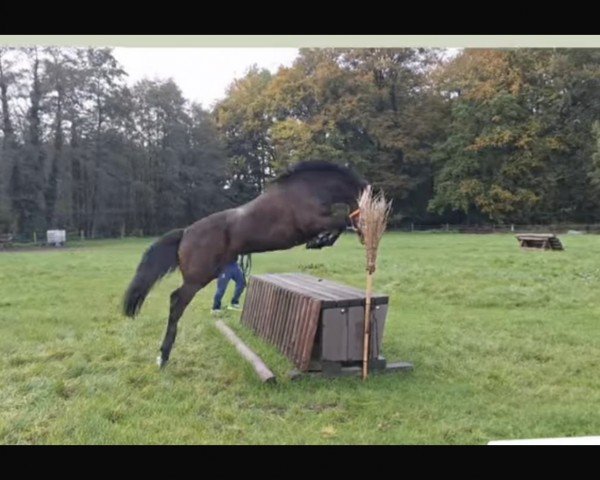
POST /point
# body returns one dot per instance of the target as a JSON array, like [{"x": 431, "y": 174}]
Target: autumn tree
[
  {"x": 244, "y": 122},
  {"x": 518, "y": 145}
]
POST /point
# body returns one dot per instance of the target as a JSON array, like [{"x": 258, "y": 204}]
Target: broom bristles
[{"x": 374, "y": 214}]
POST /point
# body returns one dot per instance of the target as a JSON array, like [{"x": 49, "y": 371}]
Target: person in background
[{"x": 232, "y": 271}]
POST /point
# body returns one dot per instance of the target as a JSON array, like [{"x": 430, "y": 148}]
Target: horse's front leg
[
  {"x": 324, "y": 239},
  {"x": 335, "y": 222},
  {"x": 317, "y": 242}
]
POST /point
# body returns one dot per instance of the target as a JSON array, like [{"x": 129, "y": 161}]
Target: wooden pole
[
  {"x": 367, "y": 330},
  {"x": 259, "y": 366}
]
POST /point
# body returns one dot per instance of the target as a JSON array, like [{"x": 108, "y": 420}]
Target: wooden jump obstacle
[
  {"x": 544, "y": 241},
  {"x": 318, "y": 324}
]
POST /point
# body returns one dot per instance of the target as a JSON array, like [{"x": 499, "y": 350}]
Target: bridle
[{"x": 354, "y": 219}]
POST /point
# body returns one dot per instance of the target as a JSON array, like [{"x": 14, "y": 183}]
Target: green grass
[{"x": 505, "y": 344}]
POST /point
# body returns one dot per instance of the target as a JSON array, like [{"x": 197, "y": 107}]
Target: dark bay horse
[{"x": 311, "y": 203}]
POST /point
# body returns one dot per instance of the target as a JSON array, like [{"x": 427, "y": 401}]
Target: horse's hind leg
[{"x": 180, "y": 299}]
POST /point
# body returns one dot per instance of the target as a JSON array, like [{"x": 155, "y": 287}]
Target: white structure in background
[
  {"x": 550, "y": 441},
  {"x": 56, "y": 237}
]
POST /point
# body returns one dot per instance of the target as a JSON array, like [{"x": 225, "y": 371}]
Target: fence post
[
  {"x": 412, "y": 227},
  {"x": 34, "y": 237},
  {"x": 81, "y": 235}
]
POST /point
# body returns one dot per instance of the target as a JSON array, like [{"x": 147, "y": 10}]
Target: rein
[
  {"x": 246, "y": 265},
  {"x": 353, "y": 221}
]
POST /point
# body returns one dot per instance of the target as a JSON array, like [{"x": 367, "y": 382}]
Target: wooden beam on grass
[{"x": 266, "y": 375}]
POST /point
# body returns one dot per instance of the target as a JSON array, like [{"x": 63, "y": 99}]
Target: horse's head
[
  {"x": 334, "y": 187},
  {"x": 355, "y": 224}
]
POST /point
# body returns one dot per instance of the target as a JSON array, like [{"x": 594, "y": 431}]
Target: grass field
[{"x": 505, "y": 344}]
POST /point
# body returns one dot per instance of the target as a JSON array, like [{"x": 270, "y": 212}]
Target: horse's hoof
[
  {"x": 160, "y": 362},
  {"x": 314, "y": 244}
]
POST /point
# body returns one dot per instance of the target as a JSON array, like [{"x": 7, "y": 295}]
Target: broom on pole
[{"x": 374, "y": 213}]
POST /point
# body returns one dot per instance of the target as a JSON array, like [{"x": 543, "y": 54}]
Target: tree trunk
[
  {"x": 36, "y": 170},
  {"x": 7, "y": 128},
  {"x": 53, "y": 191}
]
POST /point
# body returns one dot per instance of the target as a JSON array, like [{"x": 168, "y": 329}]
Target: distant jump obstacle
[
  {"x": 544, "y": 241},
  {"x": 318, "y": 324}
]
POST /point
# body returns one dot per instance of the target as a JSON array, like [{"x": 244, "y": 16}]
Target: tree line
[{"x": 483, "y": 136}]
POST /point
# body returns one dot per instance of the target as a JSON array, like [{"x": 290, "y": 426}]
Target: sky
[{"x": 203, "y": 74}]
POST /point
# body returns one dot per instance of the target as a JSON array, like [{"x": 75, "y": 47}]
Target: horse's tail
[{"x": 158, "y": 260}]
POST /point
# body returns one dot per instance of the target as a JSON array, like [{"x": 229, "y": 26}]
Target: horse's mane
[{"x": 317, "y": 166}]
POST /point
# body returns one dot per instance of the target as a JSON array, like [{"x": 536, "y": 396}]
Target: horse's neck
[{"x": 245, "y": 210}]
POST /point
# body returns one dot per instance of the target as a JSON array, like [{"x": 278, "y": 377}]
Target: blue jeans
[{"x": 229, "y": 272}]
